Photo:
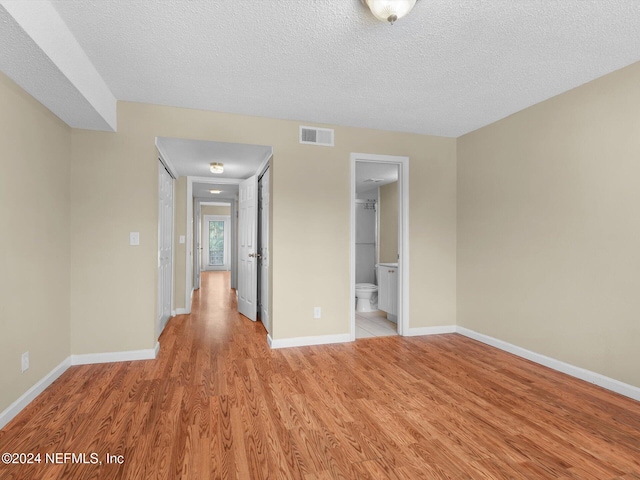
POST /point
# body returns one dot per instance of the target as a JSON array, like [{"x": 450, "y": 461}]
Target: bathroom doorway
[{"x": 379, "y": 245}]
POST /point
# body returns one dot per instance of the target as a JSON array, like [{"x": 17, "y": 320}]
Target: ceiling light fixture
[
  {"x": 389, "y": 10},
  {"x": 216, "y": 167},
  {"x": 215, "y": 191}
]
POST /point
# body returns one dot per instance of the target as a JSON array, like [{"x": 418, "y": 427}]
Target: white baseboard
[
  {"x": 109, "y": 357},
  {"x": 306, "y": 341},
  {"x": 413, "y": 332},
  {"x": 180, "y": 311},
  {"x": 577, "y": 372},
  {"x": 16, "y": 407}
]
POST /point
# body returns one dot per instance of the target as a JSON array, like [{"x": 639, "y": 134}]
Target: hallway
[{"x": 218, "y": 403}]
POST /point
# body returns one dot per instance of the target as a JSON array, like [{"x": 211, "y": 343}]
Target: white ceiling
[
  {"x": 384, "y": 173},
  {"x": 448, "y": 68},
  {"x": 201, "y": 190}
]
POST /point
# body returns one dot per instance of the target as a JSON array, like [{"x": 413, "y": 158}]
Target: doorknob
[{"x": 255, "y": 255}]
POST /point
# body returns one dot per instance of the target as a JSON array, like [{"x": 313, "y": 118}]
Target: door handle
[{"x": 255, "y": 255}]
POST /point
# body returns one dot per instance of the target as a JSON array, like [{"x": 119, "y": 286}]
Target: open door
[
  {"x": 197, "y": 245},
  {"x": 165, "y": 247},
  {"x": 263, "y": 262},
  {"x": 247, "y": 247}
]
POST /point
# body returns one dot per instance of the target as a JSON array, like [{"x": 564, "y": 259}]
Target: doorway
[
  {"x": 197, "y": 232},
  {"x": 216, "y": 237},
  {"x": 244, "y": 253},
  {"x": 380, "y": 258}
]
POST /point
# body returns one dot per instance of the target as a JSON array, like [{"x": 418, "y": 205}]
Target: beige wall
[
  {"x": 179, "y": 250},
  {"x": 389, "y": 222},
  {"x": 34, "y": 239},
  {"x": 215, "y": 210},
  {"x": 548, "y": 252},
  {"x": 114, "y": 285}
]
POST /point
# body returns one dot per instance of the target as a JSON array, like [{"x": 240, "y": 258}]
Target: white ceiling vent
[{"x": 316, "y": 136}]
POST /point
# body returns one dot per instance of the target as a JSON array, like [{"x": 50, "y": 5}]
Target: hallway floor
[{"x": 219, "y": 404}]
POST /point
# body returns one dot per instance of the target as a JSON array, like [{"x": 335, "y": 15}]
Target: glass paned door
[{"x": 216, "y": 242}]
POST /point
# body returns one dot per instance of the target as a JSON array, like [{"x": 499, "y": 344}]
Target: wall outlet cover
[{"x": 317, "y": 312}]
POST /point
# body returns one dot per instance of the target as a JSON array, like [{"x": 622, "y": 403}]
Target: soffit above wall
[{"x": 41, "y": 55}]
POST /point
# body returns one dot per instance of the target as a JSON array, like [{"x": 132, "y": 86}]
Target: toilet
[{"x": 364, "y": 295}]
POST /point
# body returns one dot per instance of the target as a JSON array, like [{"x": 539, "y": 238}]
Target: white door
[
  {"x": 264, "y": 250},
  {"x": 247, "y": 239},
  {"x": 216, "y": 253},
  {"x": 165, "y": 252},
  {"x": 197, "y": 245}
]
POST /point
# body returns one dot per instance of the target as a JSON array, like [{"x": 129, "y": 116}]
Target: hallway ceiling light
[
  {"x": 389, "y": 10},
  {"x": 216, "y": 167},
  {"x": 215, "y": 191}
]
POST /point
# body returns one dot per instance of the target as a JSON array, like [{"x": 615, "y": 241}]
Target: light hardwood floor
[{"x": 217, "y": 403}]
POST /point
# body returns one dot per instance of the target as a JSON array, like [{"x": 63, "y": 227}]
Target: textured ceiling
[{"x": 448, "y": 68}]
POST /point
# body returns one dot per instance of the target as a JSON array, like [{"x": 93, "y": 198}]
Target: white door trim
[{"x": 403, "y": 237}]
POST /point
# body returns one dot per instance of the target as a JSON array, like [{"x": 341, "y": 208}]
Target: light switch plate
[
  {"x": 25, "y": 362},
  {"x": 134, "y": 238},
  {"x": 182, "y": 239}
]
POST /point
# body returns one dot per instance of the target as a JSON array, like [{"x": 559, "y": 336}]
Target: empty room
[{"x": 333, "y": 239}]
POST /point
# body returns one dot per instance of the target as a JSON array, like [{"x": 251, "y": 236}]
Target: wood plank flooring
[{"x": 219, "y": 404}]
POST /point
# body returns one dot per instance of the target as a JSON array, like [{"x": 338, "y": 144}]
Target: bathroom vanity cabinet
[{"x": 388, "y": 289}]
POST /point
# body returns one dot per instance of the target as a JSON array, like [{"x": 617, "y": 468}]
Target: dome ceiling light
[
  {"x": 216, "y": 167},
  {"x": 389, "y": 10}
]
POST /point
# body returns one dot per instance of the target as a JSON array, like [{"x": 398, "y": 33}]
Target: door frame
[{"x": 403, "y": 237}]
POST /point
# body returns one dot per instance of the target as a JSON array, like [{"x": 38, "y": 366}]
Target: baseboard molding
[
  {"x": 306, "y": 341},
  {"x": 25, "y": 399},
  {"x": 414, "y": 332},
  {"x": 577, "y": 372},
  {"x": 110, "y": 357},
  {"x": 16, "y": 407},
  {"x": 180, "y": 311}
]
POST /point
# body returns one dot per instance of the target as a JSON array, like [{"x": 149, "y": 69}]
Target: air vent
[{"x": 316, "y": 136}]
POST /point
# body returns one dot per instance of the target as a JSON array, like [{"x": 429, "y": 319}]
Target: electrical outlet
[
  {"x": 317, "y": 312},
  {"x": 25, "y": 362}
]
